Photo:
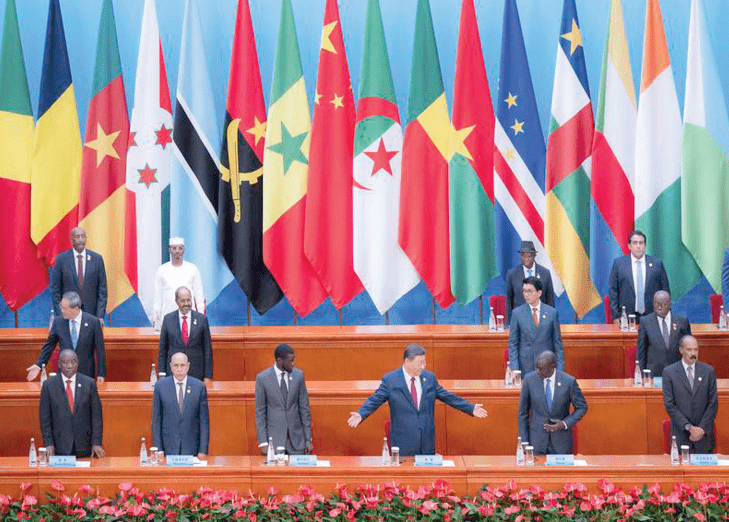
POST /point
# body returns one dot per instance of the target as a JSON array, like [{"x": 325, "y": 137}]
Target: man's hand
[
  {"x": 479, "y": 412},
  {"x": 202, "y": 456},
  {"x": 696, "y": 433},
  {"x": 354, "y": 419},
  {"x": 309, "y": 445},
  {"x": 100, "y": 380},
  {"x": 207, "y": 381},
  {"x": 33, "y": 372},
  {"x": 555, "y": 426},
  {"x": 97, "y": 451},
  {"x": 50, "y": 451}
]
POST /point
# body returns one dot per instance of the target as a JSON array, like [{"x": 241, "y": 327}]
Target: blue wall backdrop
[{"x": 540, "y": 23}]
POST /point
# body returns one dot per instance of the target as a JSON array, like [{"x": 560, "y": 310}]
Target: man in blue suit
[
  {"x": 82, "y": 271},
  {"x": 545, "y": 420},
  {"x": 725, "y": 279},
  {"x": 635, "y": 279},
  {"x": 411, "y": 392},
  {"x": 180, "y": 418},
  {"x": 534, "y": 328}
]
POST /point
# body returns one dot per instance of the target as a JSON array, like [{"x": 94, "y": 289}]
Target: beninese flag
[
  {"x": 328, "y": 231},
  {"x": 423, "y": 233},
  {"x": 56, "y": 164},
  {"x": 471, "y": 168},
  {"x": 613, "y": 155},
  {"x": 102, "y": 203},
  {"x": 705, "y": 154},
  {"x": 148, "y": 164},
  {"x": 22, "y": 274},
  {"x": 285, "y": 163},
  {"x": 240, "y": 190},
  {"x": 567, "y": 179},
  {"x": 658, "y": 160}
]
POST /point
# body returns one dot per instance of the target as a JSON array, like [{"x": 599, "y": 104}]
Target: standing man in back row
[
  {"x": 172, "y": 275},
  {"x": 527, "y": 268}
]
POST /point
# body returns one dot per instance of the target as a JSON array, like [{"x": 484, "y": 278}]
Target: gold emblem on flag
[{"x": 233, "y": 174}]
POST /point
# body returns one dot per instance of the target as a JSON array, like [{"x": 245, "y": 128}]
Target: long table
[
  {"x": 620, "y": 418},
  {"x": 244, "y": 474},
  {"x": 361, "y": 352}
]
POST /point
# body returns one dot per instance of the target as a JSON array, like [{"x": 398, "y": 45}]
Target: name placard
[
  {"x": 302, "y": 461},
  {"x": 179, "y": 461},
  {"x": 658, "y": 382},
  {"x": 560, "y": 460},
  {"x": 428, "y": 460},
  {"x": 704, "y": 459},
  {"x": 62, "y": 461}
]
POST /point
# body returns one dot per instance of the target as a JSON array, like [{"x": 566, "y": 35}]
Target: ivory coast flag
[
  {"x": 102, "y": 202},
  {"x": 658, "y": 160},
  {"x": 285, "y": 165},
  {"x": 567, "y": 179},
  {"x": 22, "y": 274},
  {"x": 705, "y": 205},
  {"x": 423, "y": 233},
  {"x": 56, "y": 164}
]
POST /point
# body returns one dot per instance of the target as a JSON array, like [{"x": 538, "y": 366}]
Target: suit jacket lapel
[
  {"x": 405, "y": 386},
  {"x": 77, "y": 394},
  {"x": 541, "y": 396}
]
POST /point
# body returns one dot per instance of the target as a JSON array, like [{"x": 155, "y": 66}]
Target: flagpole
[
  {"x": 16, "y": 318},
  {"x": 249, "y": 312},
  {"x": 480, "y": 307}
]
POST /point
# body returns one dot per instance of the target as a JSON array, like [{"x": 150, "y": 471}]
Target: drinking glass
[{"x": 499, "y": 323}]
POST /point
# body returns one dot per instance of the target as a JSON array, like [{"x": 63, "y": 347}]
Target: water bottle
[
  {"x": 270, "y": 453},
  {"x": 519, "y": 452},
  {"x": 153, "y": 376},
  {"x": 44, "y": 375},
  {"x": 674, "y": 451},
  {"x": 51, "y": 319},
  {"x": 722, "y": 319},
  {"x": 624, "y": 321},
  {"x": 143, "y": 454},
  {"x": 385, "y": 454},
  {"x": 492, "y": 321},
  {"x": 33, "y": 456},
  {"x": 637, "y": 376},
  {"x": 507, "y": 375}
]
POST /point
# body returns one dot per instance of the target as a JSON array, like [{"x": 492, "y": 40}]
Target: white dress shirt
[
  {"x": 634, "y": 264},
  {"x": 533, "y": 269},
  {"x": 83, "y": 261},
  {"x": 418, "y": 384},
  {"x": 539, "y": 311},
  {"x": 552, "y": 384},
  {"x": 76, "y": 320},
  {"x": 278, "y": 376},
  {"x": 177, "y": 386},
  {"x": 189, "y": 321}
]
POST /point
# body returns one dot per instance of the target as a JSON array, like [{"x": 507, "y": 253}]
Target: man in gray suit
[
  {"x": 534, "y": 328},
  {"x": 282, "y": 405},
  {"x": 545, "y": 420},
  {"x": 689, "y": 394},
  {"x": 658, "y": 335}
]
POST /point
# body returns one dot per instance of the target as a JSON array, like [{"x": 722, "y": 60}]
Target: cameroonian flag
[
  {"x": 423, "y": 233},
  {"x": 102, "y": 202},
  {"x": 705, "y": 206},
  {"x": 285, "y": 164},
  {"x": 658, "y": 160},
  {"x": 56, "y": 164},
  {"x": 471, "y": 168},
  {"x": 567, "y": 178},
  {"x": 22, "y": 274}
]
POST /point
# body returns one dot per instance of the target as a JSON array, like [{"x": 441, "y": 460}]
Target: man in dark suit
[
  {"x": 180, "y": 417},
  {"x": 658, "y": 335},
  {"x": 689, "y": 394},
  {"x": 77, "y": 331},
  {"x": 82, "y": 271},
  {"x": 515, "y": 277},
  {"x": 725, "y": 279},
  {"x": 635, "y": 279},
  {"x": 71, "y": 420},
  {"x": 534, "y": 328},
  {"x": 186, "y": 331},
  {"x": 282, "y": 405},
  {"x": 545, "y": 420},
  {"x": 411, "y": 393}
]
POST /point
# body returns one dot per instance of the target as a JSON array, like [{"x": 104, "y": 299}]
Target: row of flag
[{"x": 326, "y": 207}]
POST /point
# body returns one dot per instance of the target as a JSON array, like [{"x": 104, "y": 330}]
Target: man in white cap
[{"x": 172, "y": 275}]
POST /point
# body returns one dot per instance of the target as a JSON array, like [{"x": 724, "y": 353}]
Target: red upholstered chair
[
  {"x": 52, "y": 364},
  {"x": 575, "y": 440},
  {"x": 608, "y": 314},
  {"x": 630, "y": 355},
  {"x": 506, "y": 358},
  {"x": 387, "y": 434},
  {"x": 716, "y": 301},
  {"x": 498, "y": 305},
  {"x": 666, "y": 436}
]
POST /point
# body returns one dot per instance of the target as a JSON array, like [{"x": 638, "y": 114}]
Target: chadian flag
[
  {"x": 56, "y": 163},
  {"x": 613, "y": 155},
  {"x": 658, "y": 160},
  {"x": 195, "y": 164},
  {"x": 148, "y": 164},
  {"x": 240, "y": 189},
  {"x": 22, "y": 274},
  {"x": 471, "y": 168},
  {"x": 385, "y": 271},
  {"x": 423, "y": 233},
  {"x": 519, "y": 154},
  {"x": 328, "y": 225},
  {"x": 567, "y": 183},
  {"x": 285, "y": 164},
  {"x": 705, "y": 145},
  {"x": 102, "y": 201}
]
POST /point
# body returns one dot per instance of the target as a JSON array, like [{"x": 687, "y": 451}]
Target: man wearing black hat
[{"x": 515, "y": 279}]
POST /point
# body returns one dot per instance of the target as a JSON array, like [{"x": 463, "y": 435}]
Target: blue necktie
[
  {"x": 548, "y": 395},
  {"x": 74, "y": 334},
  {"x": 640, "y": 290}
]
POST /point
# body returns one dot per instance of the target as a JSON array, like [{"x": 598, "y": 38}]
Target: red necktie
[
  {"x": 413, "y": 391},
  {"x": 535, "y": 317},
  {"x": 80, "y": 270},
  {"x": 185, "y": 335},
  {"x": 69, "y": 394}
]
